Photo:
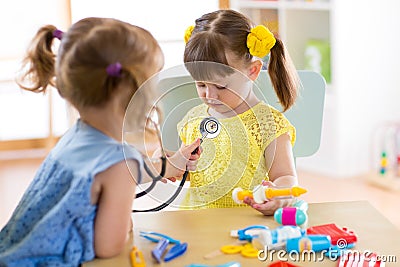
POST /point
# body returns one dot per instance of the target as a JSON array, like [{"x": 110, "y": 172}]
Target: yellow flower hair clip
[
  {"x": 260, "y": 41},
  {"x": 188, "y": 33}
]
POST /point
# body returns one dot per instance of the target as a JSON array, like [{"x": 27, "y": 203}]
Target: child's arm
[
  {"x": 191, "y": 165},
  {"x": 177, "y": 162},
  {"x": 116, "y": 192},
  {"x": 283, "y": 170},
  {"x": 282, "y": 173}
]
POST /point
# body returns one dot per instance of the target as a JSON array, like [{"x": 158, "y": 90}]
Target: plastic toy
[
  {"x": 137, "y": 259},
  {"x": 293, "y": 215},
  {"x": 387, "y": 142},
  {"x": 159, "y": 249},
  {"x": 219, "y": 252},
  {"x": 301, "y": 204},
  {"x": 386, "y": 157},
  {"x": 334, "y": 252},
  {"x": 276, "y": 239},
  {"x": 162, "y": 243},
  {"x": 384, "y": 163},
  {"x": 315, "y": 243},
  {"x": 248, "y": 233},
  {"x": 157, "y": 237},
  {"x": 228, "y": 264},
  {"x": 398, "y": 166},
  {"x": 336, "y": 234},
  {"x": 342, "y": 239},
  {"x": 175, "y": 251},
  {"x": 350, "y": 259},
  {"x": 247, "y": 250},
  {"x": 282, "y": 264},
  {"x": 261, "y": 236},
  {"x": 242, "y": 245},
  {"x": 261, "y": 193},
  {"x": 290, "y": 216}
]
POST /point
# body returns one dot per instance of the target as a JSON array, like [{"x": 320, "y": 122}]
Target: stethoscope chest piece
[{"x": 209, "y": 127}]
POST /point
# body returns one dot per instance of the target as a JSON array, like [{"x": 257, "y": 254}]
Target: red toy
[
  {"x": 360, "y": 260},
  {"x": 336, "y": 233},
  {"x": 282, "y": 264}
]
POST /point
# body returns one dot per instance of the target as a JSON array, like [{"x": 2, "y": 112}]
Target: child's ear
[{"x": 254, "y": 70}]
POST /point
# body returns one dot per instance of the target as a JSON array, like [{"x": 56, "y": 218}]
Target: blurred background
[{"x": 353, "y": 44}]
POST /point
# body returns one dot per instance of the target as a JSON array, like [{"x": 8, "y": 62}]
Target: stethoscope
[{"x": 209, "y": 128}]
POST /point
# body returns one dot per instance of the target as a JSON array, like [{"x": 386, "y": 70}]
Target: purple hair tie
[
  {"x": 114, "y": 70},
  {"x": 58, "y": 34}
]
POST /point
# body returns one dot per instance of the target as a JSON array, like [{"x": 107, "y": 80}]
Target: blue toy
[
  {"x": 159, "y": 249},
  {"x": 228, "y": 264},
  {"x": 248, "y": 232},
  {"x": 163, "y": 241},
  {"x": 292, "y": 215},
  {"x": 276, "y": 239},
  {"x": 315, "y": 243}
]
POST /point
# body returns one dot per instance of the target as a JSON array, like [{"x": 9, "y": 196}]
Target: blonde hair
[
  {"x": 222, "y": 31},
  {"x": 86, "y": 50}
]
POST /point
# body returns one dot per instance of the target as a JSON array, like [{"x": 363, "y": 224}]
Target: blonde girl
[{"x": 79, "y": 204}]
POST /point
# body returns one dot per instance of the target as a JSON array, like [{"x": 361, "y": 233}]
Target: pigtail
[
  {"x": 38, "y": 69},
  {"x": 283, "y": 74}
]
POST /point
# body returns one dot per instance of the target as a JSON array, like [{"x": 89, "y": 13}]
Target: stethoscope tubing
[
  {"x": 155, "y": 179},
  {"x": 153, "y": 183}
]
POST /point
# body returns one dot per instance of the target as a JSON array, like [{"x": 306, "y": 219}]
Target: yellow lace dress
[{"x": 235, "y": 158}]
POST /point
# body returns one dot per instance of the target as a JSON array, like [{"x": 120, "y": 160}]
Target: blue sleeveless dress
[{"x": 53, "y": 225}]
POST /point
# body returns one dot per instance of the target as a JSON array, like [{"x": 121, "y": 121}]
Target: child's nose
[{"x": 211, "y": 93}]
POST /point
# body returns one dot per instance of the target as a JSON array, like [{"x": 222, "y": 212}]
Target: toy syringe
[{"x": 261, "y": 193}]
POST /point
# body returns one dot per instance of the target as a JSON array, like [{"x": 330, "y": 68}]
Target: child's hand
[
  {"x": 157, "y": 154},
  {"x": 268, "y": 207},
  {"x": 194, "y": 156},
  {"x": 183, "y": 160}
]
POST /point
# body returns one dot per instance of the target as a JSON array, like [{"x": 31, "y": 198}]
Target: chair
[{"x": 305, "y": 115}]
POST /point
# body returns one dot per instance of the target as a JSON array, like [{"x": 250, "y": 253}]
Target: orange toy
[{"x": 261, "y": 193}]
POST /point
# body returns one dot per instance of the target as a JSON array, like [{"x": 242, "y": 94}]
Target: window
[
  {"x": 25, "y": 115},
  {"x": 164, "y": 19}
]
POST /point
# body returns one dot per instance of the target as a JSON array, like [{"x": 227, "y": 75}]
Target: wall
[{"x": 366, "y": 64}]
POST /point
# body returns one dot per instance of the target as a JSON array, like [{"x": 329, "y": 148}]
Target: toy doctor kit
[
  {"x": 228, "y": 264},
  {"x": 262, "y": 193},
  {"x": 178, "y": 248},
  {"x": 276, "y": 239},
  {"x": 296, "y": 214}
]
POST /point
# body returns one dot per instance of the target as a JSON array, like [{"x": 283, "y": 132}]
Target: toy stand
[
  {"x": 386, "y": 157},
  {"x": 388, "y": 181}
]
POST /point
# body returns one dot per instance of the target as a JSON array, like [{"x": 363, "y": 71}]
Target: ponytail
[
  {"x": 283, "y": 75},
  {"x": 38, "y": 65}
]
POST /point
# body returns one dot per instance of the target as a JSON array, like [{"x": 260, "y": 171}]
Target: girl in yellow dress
[{"x": 255, "y": 143}]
